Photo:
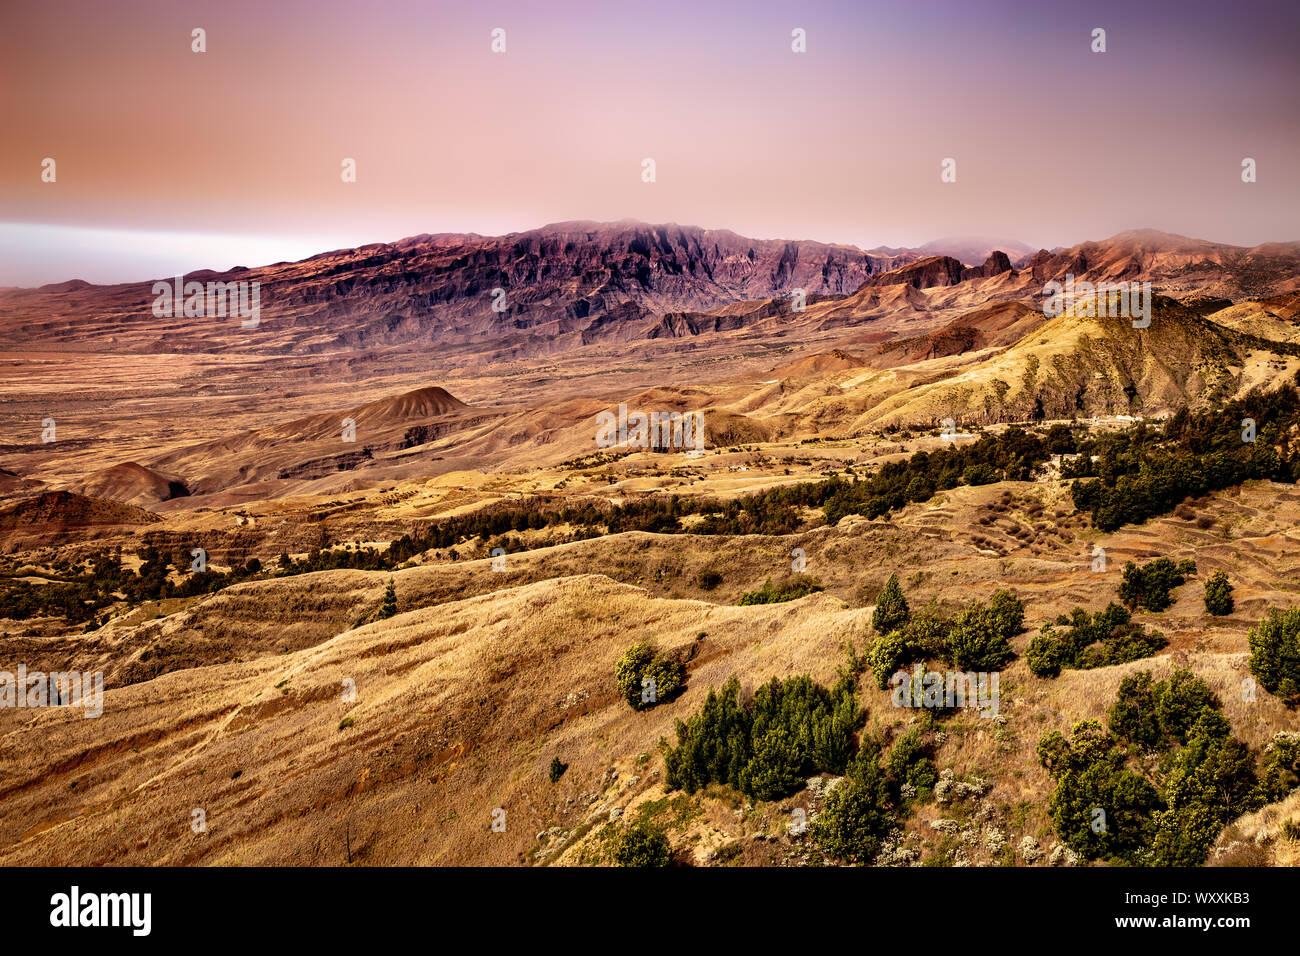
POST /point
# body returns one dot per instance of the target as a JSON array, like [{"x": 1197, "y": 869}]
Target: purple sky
[{"x": 168, "y": 159}]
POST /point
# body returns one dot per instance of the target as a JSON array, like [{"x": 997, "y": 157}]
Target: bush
[
  {"x": 708, "y": 580},
  {"x": 641, "y": 663},
  {"x": 909, "y": 765},
  {"x": 642, "y": 845},
  {"x": 926, "y": 635},
  {"x": 886, "y": 656},
  {"x": 1218, "y": 595},
  {"x": 1275, "y": 654},
  {"x": 557, "y": 769},
  {"x": 790, "y": 589},
  {"x": 891, "y": 611},
  {"x": 1046, "y": 655},
  {"x": 1149, "y": 585},
  {"x": 1279, "y": 771}
]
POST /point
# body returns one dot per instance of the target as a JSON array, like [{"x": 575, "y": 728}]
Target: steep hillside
[
  {"x": 45, "y": 517},
  {"x": 1088, "y": 366}
]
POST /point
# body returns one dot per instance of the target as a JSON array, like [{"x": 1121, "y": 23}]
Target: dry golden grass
[{"x": 465, "y": 696}]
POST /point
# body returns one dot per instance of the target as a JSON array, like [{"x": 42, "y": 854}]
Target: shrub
[
  {"x": 557, "y": 769},
  {"x": 1218, "y": 595},
  {"x": 642, "y": 663},
  {"x": 708, "y": 580},
  {"x": 1275, "y": 653},
  {"x": 642, "y": 844},
  {"x": 909, "y": 764},
  {"x": 891, "y": 611},
  {"x": 1279, "y": 771},
  {"x": 926, "y": 635},
  {"x": 887, "y": 654},
  {"x": 1149, "y": 585},
  {"x": 788, "y": 590}
]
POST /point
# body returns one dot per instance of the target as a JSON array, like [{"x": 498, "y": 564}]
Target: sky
[{"x": 169, "y": 160}]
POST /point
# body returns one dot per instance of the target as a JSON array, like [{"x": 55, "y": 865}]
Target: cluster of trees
[
  {"x": 1013, "y": 455},
  {"x": 647, "y": 676},
  {"x": 859, "y": 814},
  {"x": 766, "y": 748},
  {"x": 976, "y": 639},
  {"x": 1141, "y": 473},
  {"x": 1080, "y": 641},
  {"x": 1148, "y": 586},
  {"x": 1275, "y": 654},
  {"x": 789, "y": 589},
  {"x": 83, "y": 590},
  {"x": 1167, "y": 808}
]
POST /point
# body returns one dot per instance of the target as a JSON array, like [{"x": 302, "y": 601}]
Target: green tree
[
  {"x": 856, "y": 815},
  {"x": 980, "y": 637},
  {"x": 389, "y": 607},
  {"x": 1275, "y": 653},
  {"x": 1100, "y": 808},
  {"x": 1218, "y": 595},
  {"x": 1149, "y": 585},
  {"x": 1046, "y": 655},
  {"x": 891, "y": 608},
  {"x": 1279, "y": 771}
]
